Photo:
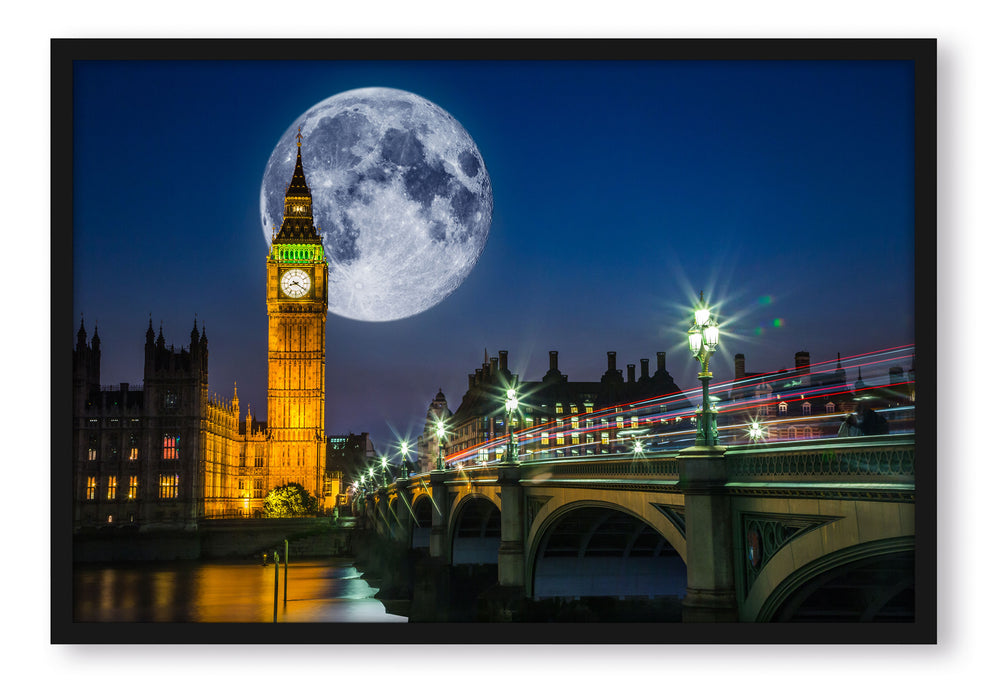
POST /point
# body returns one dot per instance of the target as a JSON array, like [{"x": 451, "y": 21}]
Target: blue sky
[{"x": 784, "y": 189}]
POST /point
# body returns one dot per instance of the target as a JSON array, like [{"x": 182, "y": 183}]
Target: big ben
[{"x": 296, "y": 291}]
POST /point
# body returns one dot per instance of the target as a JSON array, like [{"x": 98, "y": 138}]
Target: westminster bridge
[{"x": 802, "y": 531}]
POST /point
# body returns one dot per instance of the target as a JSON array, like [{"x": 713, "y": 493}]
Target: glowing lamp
[
  {"x": 695, "y": 340},
  {"x": 711, "y": 336},
  {"x": 703, "y": 340}
]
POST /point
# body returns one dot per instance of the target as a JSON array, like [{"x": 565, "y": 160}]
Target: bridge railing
[
  {"x": 872, "y": 459},
  {"x": 881, "y": 459}
]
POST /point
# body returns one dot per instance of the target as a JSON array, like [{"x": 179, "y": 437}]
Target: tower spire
[{"x": 297, "y": 215}]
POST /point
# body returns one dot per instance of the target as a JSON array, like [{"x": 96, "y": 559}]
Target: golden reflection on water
[{"x": 318, "y": 591}]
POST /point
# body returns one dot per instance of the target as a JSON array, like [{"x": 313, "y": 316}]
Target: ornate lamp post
[
  {"x": 703, "y": 339},
  {"x": 441, "y": 434},
  {"x": 385, "y": 472},
  {"x": 405, "y": 459},
  {"x": 511, "y": 446}
]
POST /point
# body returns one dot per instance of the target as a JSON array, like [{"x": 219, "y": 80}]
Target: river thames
[{"x": 319, "y": 590}]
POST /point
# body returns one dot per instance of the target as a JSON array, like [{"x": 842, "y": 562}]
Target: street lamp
[
  {"x": 755, "y": 431},
  {"x": 511, "y": 447},
  {"x": 405, "y": 459},
  {"x": 703, "y": 339},
  {"x": 441, "y": 434},
  {"x": 385, "y": 472}
]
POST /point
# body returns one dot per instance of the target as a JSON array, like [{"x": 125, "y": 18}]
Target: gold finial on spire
[{"x": 299, "y": 138}]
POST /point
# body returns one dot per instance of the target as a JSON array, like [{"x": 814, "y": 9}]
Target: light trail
[{"x": 669, "y": 419}]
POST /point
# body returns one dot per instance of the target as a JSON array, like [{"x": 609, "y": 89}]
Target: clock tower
[{"x": 296, "y": 290}]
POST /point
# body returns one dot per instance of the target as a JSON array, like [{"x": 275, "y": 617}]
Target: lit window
[
  {"x": 90, "y": 488},
  {"x": 168, "y": 485},
  {"x": 575, "y": 438},
  {"x": 806, "y": 408},
  {"x": 132, "y": 488},
  {"x": 94, "y": 441},
  {"x": 544, "y": 438},
  {"x": 560, "y": 438},
  {"x": 170, "y": 446},
  {"x": 590, "y": 438},
  {"x": 573, "y": 408},
  {"x": 830, "y": 407},
  {"x": 111, "y": 488},
  {"x": 634, "y": 421},
  {"x": 560, "y": 409},
  {"x": 618, "y": 422},
  {"x": 782, "y": 408},
  {"x": 483, "y": 454},
  {"x": 604, "y": 438}
]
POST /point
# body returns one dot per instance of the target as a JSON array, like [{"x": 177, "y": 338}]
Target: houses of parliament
[{"x": 171, "y": 453}]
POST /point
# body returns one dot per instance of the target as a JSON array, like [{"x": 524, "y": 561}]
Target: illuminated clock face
[{"x": 295, "y": 283}]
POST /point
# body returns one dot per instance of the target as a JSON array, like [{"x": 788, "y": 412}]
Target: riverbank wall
[{"x": 215, "y": 539}]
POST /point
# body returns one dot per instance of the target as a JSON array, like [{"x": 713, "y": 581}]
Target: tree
[{"x": 288, "y": 501}]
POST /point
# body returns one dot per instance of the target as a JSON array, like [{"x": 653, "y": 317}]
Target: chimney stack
[
  {"x": 611, "y": 360},
  {"x": 740, "y": 366},
  {"x": 802, "y": 362},
  {"x": 644, "y": 369},
  {"x": 661, "y": 362},
  {"x": 631, "y": 369},
  {"x": 553, "y": 360},
  {"x": 503, "y": 360}
]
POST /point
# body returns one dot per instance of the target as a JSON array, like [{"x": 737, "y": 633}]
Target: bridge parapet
[{"x": 886, "y": 459}]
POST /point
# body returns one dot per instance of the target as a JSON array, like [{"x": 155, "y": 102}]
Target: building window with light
[
  {"x": 90, "y": 488},
  {"x": 782, "y": 409},
  {"x": 560, "y": 409},
  {"x": 544, "y": 438},
  {"x": 170, "y": 446},
  {"x": 830, "y": 407},
  {"x": 168, "y": 486},
  {"x": 806, "y": 408},
  {"x": 111, "y": 488},
  {"x": 132, "y": 488},
  {"x": 634, "y": 422},
  {"x": 132, "y": 445},
  {"x": 94, "y": 441},
  {"x": 619, "y": 422},
  {"x": 560, "y": 438}
]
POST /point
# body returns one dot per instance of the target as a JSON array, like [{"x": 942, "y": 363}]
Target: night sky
[{"x": 782, "y": 189}]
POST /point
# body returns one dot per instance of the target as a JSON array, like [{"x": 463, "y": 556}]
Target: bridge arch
[
  {"x": 475, "y": 530},
  {"x": 422, "y": 520},
  {"x": 867, "y": 582},
  {"x": 595, "y": 548}
]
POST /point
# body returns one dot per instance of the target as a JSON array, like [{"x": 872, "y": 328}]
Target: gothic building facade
[{"x": 168, "y": 453}]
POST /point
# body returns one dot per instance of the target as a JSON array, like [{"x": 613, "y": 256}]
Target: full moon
[{"x": 401, "y": 197}]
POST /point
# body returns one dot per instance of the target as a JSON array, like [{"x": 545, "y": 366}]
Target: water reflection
[{"x": 324, "y": 590}]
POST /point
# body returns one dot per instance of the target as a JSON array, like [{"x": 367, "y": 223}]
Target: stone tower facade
[{"x": 296, "y": 291}]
